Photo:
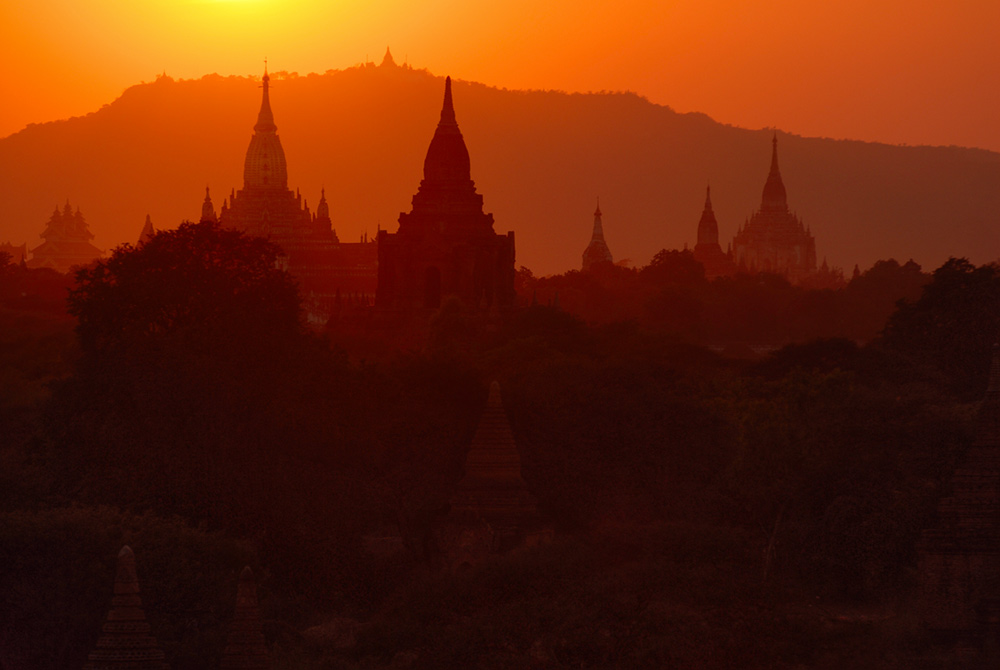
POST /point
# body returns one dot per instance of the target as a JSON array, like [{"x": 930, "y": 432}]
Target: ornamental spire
[
  {"x": 774, "y": 197},
  {"x": 265, "y": 118}
]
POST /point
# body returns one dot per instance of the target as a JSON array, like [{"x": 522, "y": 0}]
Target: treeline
[
  {"x": 672, "y": 294},
  {"x": 708, "y": 512}
]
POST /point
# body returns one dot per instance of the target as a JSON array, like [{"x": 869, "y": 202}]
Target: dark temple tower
[
  {"x": 445, "y": 245},
  {"x": 597, "y": 251},
  {"x": 707, "y": 251},
  {"x": 774, "y": 239}
]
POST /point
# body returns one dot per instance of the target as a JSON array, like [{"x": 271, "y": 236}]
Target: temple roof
[
  {"x": 265, "y": 165},
  {"x": 447, "y": 156},
  {"x": 597, "y": 251}
]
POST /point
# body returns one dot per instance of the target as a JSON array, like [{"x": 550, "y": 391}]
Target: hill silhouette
[{"x": 540, "y": 158}]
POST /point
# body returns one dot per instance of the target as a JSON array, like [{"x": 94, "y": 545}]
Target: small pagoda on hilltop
[
  {"x": 597, "y": 251},
  {"x": 67, "y": 242}
]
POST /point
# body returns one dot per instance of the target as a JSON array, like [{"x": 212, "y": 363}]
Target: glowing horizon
[{"x": 893, "y": 71}]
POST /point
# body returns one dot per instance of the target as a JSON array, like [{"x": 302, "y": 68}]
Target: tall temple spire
[
  {"x": 265, "y": 165},
  {"x": 774, "y": 197},
  {"x": 597, "y": 251},
  {"x": 447, "y": 157},
  {"x": 125, "y": 641},
  {"x": 708, "y": 227}
]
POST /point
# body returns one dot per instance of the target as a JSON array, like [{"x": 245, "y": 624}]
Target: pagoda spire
[
  {"x": 774, "y": 197},
  {"x": 597, "y": 251},
  {"x": 207, "y": 209},
  {"x": 447, "y": 157},
  {"x": 126, "y": 642},
  {"x": 265, "y": 166},
  {"x": 147, "y": 231},
  {"x": 265, "y": 118}
]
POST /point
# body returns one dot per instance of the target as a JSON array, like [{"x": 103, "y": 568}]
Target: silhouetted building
[
  {"x": 67, "y": 242},
  {"x": 245, "y": 647},
  {"x": 597, "y": 251},
  {"x": 491, "y": 509},
  {"x": 126, "y": 642},
  {"x": 445, "y": 245},
  {"x": 774, "y": 239},
  {"x": 707, "y": 251},
  {"x": 147, "y": 231},
  {"x": 266, "y": 207},
  {"x": 959, "y": 558}
]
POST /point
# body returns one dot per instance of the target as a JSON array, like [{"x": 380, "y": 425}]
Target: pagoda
[
  {"x": 491, "y": 508},
  {"x": 266, "y": 207},
  {"x": 445, "y": 245},
  {"x": 67, "y": 242},
  {"x": 774, "y": 239},
  {"x": 126, "y": 642},
  {"x": 707, "y": 251},
  {"x": 597, "y": 251}
]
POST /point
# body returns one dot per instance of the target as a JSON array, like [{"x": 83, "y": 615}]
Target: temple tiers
[
  {"x": 491, "y": 508},
  {"x": 445, "y": 245},
  {"x": 126, "y": 642},
  {"x": 67, "y": 242},
  {"x": 707, "y": 251},
  {"x": 774, "y": 239},
  {"x": 597, "y": 251}
]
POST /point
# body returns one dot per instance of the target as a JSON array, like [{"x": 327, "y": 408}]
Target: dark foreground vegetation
[{"x": 709, "y": 511}]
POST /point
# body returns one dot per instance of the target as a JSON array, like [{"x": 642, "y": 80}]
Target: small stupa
[{"x": 125, "y": 642}]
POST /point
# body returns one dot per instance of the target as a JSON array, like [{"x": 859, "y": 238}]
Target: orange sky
[{"x": 898, "y": 71}]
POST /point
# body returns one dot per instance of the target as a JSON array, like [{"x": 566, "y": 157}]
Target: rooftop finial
[
  {"x": 597, "y": 212},
  {"x": 448, "y": 108},
  {"x": 708, "y": 197}
]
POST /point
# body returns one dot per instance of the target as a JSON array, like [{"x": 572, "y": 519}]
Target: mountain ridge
[{"x": 540, "y": 159}]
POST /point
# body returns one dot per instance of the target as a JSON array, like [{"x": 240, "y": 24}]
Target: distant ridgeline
[{"x": 539, "y": 156}]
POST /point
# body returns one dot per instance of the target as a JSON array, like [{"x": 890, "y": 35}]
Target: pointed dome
[
  {"x": 774, "y": 197},
  {"x": 265, "y": 162},
  {"x": 597, "y": 251},
  {"x": 322, "y": 209},
  {"x": 708, "y": 227},
  {"x": 245, "y": 647},
  {"x": 207, "y": 209},
  {"x": 447, "y": 157},
  {"x": 387, "y": 60},
  {"x": 125, "y": 641},
  {"x": 147, "y": 231}
]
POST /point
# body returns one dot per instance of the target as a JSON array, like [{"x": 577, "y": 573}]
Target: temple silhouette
[
  {"x": 773, "y": 239},
  {"x": 67, "y": 242},
  {"x": 445, "y": 245},
  {"x": 707, "y": 251},
  {"x": 597, "y": 251},
  {"x": 325, "y": 267}
]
